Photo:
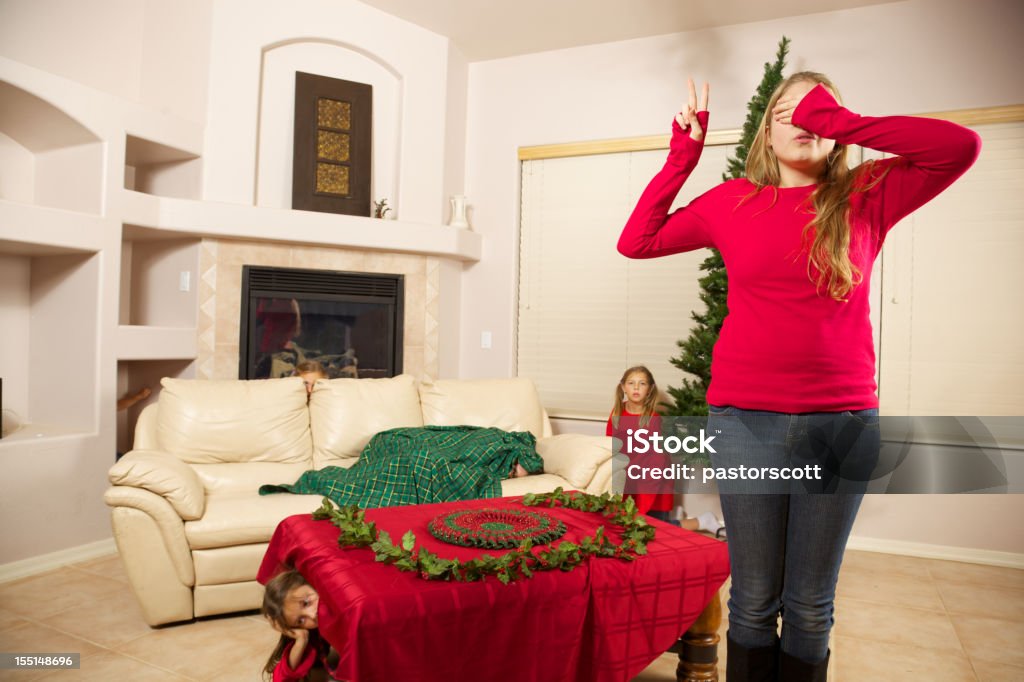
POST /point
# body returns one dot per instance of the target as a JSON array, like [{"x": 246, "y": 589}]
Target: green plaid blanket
[{"x": 422, "y": 465}]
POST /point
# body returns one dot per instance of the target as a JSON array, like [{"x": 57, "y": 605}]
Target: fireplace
[{"x": 349, "y": 322}]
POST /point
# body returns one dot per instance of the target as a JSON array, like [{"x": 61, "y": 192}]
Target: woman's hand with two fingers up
[{"x": 687, "y": 116}]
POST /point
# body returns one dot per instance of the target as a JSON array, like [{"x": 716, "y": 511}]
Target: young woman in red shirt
[{"x": 794, "y": 366}]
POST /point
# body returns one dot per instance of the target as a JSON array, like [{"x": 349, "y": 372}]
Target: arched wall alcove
[
  {"x": 47, "y": 158},
  {"x": 276, "y": 121}
]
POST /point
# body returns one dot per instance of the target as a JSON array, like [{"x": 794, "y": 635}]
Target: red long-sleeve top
[
  {"x": 315, "y": 654},
  {"x": 785, "y": 347}
]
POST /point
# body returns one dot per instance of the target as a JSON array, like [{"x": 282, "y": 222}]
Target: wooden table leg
[{"x": 698, "y": 659}]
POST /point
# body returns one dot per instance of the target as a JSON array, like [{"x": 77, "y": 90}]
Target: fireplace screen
[{"x": 349, "y": 322}]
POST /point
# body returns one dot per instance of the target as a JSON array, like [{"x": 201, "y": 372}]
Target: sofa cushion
[
  {"x": 242, "y": 519},
  {"x": 205, "y": 421},
  {"x": 211, "y": 600},
  {"x": 346, "y": 413},
  {"x": 509, "y": 404},
  {"x": 574, "y": 456},
  {"x": 538, "y": 483},
  {"x": 246, "y": 477}
]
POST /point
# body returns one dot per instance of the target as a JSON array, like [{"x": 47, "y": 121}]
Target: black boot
[
  {"x": 751, "y": 665},
  {"x": 793, "y": 669}
]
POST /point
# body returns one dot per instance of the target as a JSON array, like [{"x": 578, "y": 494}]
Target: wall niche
[{"x": 47, "y": 158}]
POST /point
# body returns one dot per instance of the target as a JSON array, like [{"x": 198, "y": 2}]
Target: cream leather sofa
[{"x": 187, "y": 518}]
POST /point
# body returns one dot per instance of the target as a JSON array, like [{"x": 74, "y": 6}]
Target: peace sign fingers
[
  {"x": 687, "y": 116},
  {"x": 703, "y": 95}
]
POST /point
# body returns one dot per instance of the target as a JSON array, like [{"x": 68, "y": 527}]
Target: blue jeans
[{"x": 785, "y": 548}]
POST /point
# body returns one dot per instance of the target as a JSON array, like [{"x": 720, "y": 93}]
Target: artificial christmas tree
[{"x": 695, "y": 351}]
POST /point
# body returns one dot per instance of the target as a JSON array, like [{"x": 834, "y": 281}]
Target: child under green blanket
[{"x": 423, "y": 465}]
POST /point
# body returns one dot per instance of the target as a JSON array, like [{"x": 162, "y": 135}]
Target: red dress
[{"x": 655, "y": 495}]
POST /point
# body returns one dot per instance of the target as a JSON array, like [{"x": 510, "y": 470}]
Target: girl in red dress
[
  {"x": 291, "y": 604},
  {"x": 636, "y": 407}
]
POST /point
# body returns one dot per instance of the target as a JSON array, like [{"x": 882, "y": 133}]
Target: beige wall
[
  {"x": 15, "y": 292},
  {"x": 152, "y": 52},
  {"x": 153, "y": 295},
  {"x": 17, "y": 171},
  {"x": 417, "y": 58}
]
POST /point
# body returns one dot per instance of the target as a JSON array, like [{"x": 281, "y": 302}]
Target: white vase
[{"x": 458, "y": 204}]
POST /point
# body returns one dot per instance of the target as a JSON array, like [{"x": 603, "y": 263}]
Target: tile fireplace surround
[{"x": 220, "y": 280}]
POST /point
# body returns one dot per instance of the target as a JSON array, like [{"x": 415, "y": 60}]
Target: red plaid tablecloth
[{"x": 602, "y": 622}]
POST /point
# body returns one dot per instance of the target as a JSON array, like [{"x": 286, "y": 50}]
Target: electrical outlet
[
  {"x": 184, "y": 280},
  {"x": 485, "y": 340}
]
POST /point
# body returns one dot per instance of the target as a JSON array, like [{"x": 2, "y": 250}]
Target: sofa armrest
[
  {"x": 163, "y": 475},
  {"x": 166, "y": 520},
  {"x": 575, "y": 457}
]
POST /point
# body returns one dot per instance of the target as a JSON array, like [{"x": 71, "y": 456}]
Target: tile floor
[{"x": 898, "y": 618}]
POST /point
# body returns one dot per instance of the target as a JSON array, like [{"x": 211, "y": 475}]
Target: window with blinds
[
  {"x": 952, "y": 319},
  {"x": 587, "y": 313}
]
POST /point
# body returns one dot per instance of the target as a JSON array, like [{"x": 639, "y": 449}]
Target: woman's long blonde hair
[{"x": 827, "y": 236}]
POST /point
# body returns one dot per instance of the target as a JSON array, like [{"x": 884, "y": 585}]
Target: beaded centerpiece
[{"x": 495, "y": 528}]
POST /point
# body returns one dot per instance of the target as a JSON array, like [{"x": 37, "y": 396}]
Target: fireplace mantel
[{"x": 152, "y": 217}]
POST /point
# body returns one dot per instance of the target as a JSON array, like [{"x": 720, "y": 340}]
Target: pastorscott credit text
[{"x": 637, "y": 472}]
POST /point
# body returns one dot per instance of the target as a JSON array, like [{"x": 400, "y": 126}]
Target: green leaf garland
[{"x": 513, "y": 565}]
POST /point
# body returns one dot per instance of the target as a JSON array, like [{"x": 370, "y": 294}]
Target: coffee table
[{"x": 604, "y": 621}]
